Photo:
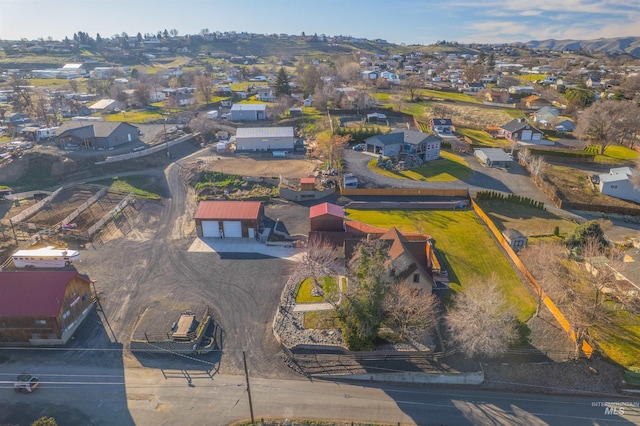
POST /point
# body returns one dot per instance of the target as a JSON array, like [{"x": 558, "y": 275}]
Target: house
[
  {"x": 423, "y": 145},
  {"x": 515, "y": 239},
  {"x": 521, "y": 90},
  {"x": 546, "y": 115},
  {"x": 441, "y": 126},
  {"x": 518, "y": 130},
  {"x": 407, "y": 259},
  {"x": 248, "y": 112},
  {"x": 565, "y": 126},
  {"x": 96, "y": 134},
  {"x": 535, "y": 101},
  {"x": 266, "y": 94},
  {"x": 496, "y": 96},
  {"x": 326, "y": 217},
  {"x": 593, "y": 82},
  {"x": 473, "y": 87},
  {"x": 104, "y": 105},
  {"x": 184, "y": 99},
  {"x": 16, "y": 118},
  {"x": 492, "y": 157},
  {"x": 42, "y": 307},
  {"x": 264, "y": 139},
  {"x": 616, "y": 183},
  {"x": 229, "y": 219},
  {"x": 369, "y": 75}
]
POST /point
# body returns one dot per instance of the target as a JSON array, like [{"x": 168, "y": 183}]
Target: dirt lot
[{"x": 296, "y": 166}]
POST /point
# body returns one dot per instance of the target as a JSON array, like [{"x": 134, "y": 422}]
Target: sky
[{"x": 397, "y": 21}]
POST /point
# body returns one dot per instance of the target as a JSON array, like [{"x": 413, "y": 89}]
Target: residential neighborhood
[{"x": 212, "y": 227}]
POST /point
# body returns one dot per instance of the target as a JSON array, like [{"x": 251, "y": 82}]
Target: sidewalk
[{"x": 242, "y": 245}]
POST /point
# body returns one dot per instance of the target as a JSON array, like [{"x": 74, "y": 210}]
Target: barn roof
[
  {"x": 228, "y": 210},
  {"x": 326, "y": 208},
  {"x": 33, "y": 293}
]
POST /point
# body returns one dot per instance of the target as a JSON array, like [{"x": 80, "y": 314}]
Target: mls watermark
[{"x": 615, "y": 408}]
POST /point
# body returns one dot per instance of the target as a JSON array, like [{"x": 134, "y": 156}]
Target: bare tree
[
  {"x": 319, "y": 260},
  {"x": 411, "y": 86},
  {"x": 441, "y": 111},
  {"x": 474, "y": 72},
  {"x": 348, "y": 69},
  {"x": 608, "y": 122},
  {"x": 543, "y": 261},
  {"x": 537, "y": 165},
  {"x": 329, "y": 148},
  {"x": 408, "y": 306},
  {"x": 479, "y": 321},
  {"x": 204, "y": 87},
  {"x": 524, "y": 156},
  {"x": 142, "y": 94}
]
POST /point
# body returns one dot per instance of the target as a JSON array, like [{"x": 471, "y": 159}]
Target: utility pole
[{"x": 246, "y": 375}]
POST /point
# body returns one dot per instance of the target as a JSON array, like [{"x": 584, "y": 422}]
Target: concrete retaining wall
[{"x": 475, "y": 378}]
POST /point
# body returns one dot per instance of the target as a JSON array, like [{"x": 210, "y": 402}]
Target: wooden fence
[
  {"x": 406, "y": 192},
  {"x": 34, "y": 208},
  {"x": 537, "y": 289}
]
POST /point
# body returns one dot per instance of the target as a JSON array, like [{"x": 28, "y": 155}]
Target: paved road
[{"x": 195, "y": 396}]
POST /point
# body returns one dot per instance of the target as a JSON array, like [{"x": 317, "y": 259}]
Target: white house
[{"x": 616, "y": 183}]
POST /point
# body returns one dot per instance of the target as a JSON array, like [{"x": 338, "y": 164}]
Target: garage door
[
  {"x": 526, "y": 135},
  {"x": 232, "y": 229},
  {"x": 210, "y": 228}
]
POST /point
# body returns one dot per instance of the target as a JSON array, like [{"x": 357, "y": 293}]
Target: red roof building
[
  {"x": 42, "y": 307},
  {"x": 229, "y": 219},
  {"x": 326, "y": 217}
]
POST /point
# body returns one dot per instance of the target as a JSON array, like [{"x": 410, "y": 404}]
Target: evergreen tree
[{"x": 282, "y": 83}]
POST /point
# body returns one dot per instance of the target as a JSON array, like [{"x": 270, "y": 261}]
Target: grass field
[
  {"x": 619, "y": 152},
  {"x": 482, "y": 137},
  {"x": 619, "y": 339},
  {"x": 448, "y": 95},
  {"x": 141, "y": 186},
  {"x": 449, "y": 168},
  {"x": 469, "y": 251},
  {"x": 305, "y": 295},
  {"x": 529, "y": 221},
  {"x": 134, "y": 116}
]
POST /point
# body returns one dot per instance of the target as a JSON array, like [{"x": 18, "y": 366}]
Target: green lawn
[
  {"x": 448, "y": 95},
  {"x": 304, "y": 294},
  {"x": 466, "y": 246},
  {"x": 414, "y": 108},
  {"x": 142, "y": 186},
  {"x": 449, "y": 168},
  {"x": 619, "y": 339},
  {"x": 620, "y": 152},
  {"x": 134, "y": 116},
  {"x": 321, "y": 319},
  {"x": 528, "y": 220},
  {"x": 482, "y": 137}
]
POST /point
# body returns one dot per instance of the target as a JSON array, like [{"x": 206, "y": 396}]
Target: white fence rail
[
  {"x": 149, "y": 151},
  {"x": 84, "y": 206},
  {"x": 24, "y": 195},
  {"x": 34, "y": 208}
]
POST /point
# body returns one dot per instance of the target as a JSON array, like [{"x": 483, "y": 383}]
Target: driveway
[{"x": 513, "y": 180}]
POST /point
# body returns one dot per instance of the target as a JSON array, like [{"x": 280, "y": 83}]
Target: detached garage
[{"x": 230, "y": 219}]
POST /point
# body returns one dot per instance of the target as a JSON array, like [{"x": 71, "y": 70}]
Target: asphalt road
[{"x": 193, "y": 396}]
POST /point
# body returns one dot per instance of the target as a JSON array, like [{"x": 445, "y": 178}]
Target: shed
[
  {"x": 42, "y": 307},
  {"x": 493, "y": 157},
  {"x": 515, "y": 239},
  {"x": 229, "y": 219},
  {"x": 96, "y": 134},
  {"x": 326, "y": 217},
  {"x": 248, "y": 112},
  {"x": 307, "y": 184},
  {"x": 265, "y": 139}
]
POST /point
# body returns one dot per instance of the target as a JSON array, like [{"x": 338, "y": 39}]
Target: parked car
[
  {"x": 359, "y": 147},
  {"x": 26, "y": 383}
]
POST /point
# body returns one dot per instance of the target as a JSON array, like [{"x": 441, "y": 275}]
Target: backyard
[
  {"x": 469, "y": 251},
  {"x": 450, "y": 167}
]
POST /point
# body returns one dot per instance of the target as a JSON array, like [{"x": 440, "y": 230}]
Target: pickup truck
[{"x": 26, "y": 383}]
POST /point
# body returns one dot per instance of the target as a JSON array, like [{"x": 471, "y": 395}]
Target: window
[
  {"x": 416, "y": 278},
  {"x": 40, "y": 322},
  {"x": 66, "y": 315},
  {"x": 614, "y": 186}
]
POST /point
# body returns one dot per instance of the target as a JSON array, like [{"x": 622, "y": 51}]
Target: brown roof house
[
  {"x": 96, "y": 134},
  {"x": 229, "y": 219},
  {"x": 42, "y": 307},
  {"x": 407, "y": 259}
]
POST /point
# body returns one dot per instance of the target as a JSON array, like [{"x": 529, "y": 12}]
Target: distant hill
[{"x": 628, "y": 45}]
